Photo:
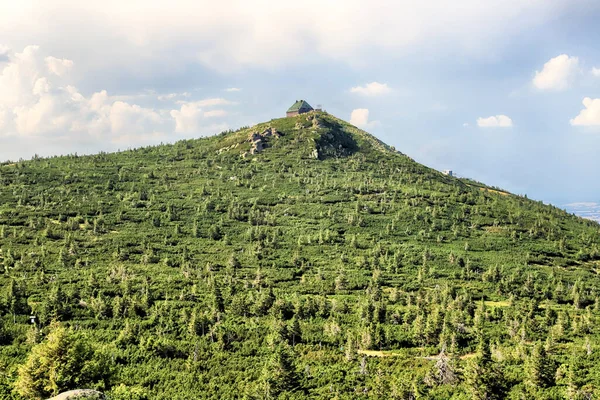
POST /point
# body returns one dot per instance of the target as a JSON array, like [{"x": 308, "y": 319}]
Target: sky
[{"x": 506, "y": 92}]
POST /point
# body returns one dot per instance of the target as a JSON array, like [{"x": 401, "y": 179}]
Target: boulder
[
  {"x": 258, "y": 139},
  {"x": 80, "y": 394}
]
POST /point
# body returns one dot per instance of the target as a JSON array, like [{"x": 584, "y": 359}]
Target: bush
[{"x": 63, "y": 362}]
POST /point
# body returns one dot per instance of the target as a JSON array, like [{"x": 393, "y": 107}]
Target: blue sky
[{"x": 505, "y": 92}]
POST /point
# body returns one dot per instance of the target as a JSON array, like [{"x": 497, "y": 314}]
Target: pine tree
[
  {"x": 350, "y": 350},
  {"x": 264, "y": 302},
  {"x": 4, "y": 336},
  {"x": 278, "y": 374},
  {"x": 64, "y": 361},
  {"x": 294, "y": 331},
  {"x": 444, "y": 370},
  {"x": 341, "y": 282},
  {"x": 482, "y": 376},
  {"x": 574, "y": 381},
  {"x": 215, "y": 232},
  {"x": 540, "y": 369},
  {"x": 217, "y": 299},
  {"x": 55, "y": 306},
  {"x": 13, "y": 298},
  {"x": 233, "y": 262},
  {"x": 239, "y": 305},
  {"x": 479, "y": 319}
]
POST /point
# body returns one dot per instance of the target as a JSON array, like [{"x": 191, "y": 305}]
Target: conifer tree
[
  {"x": 64, "y": 361},
  {"x": 350, "y": 349},
  {"x": 4, "y": 336},
  {"x": 217, "y": 299},
  {"x": 294, "y": 331},
  {"x": 482, "y": 376},
  {"x": 279, "y": 374},
  {"x": 540, "y": 369},
  {"x": 13, "y": 298},
  {"x": 444, "y": 370}
]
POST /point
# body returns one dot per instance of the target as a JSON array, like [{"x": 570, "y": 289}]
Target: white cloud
[
  {"x": 558, "y": 73},
  {"x": 596, "y": 72},
  {"x": 131, "y": 118},
  {"x": 360, "y": 118},
  {"x": 466, "y": 125},
  {"x": 41, "y": 86},
  {"x": 37, "y": 98},
  {"x": 214, "y": 102},
  {"x": 57, "y": 66},
  {"x": 583, "y": 204},
  {"x": 233, "y": 89},
  {"x": 218, "y": 101},
  {"x": 590, "y": 115},
  {"x": 190, "y": 118},
  {"x": 215, "y": 113},
  {"x": 172, "y": 96},
  {"x": 497, "y": 121},
  {"x": 42, "y": 116},
  {"x": 237, "y": 33},
  {"x": 372, "y": 89}
]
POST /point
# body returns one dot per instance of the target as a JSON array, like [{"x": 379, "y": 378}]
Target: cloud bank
[
  {"x": 38, "y": 97},
  {"x": 232, "y": 34}
]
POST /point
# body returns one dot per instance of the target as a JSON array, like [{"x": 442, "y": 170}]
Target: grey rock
[{"x": 80, "y": 394}]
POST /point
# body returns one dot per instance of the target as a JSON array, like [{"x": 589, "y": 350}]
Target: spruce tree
[
  {"x": 540, "y": 368},
  {"x": 4, "y": 336},
  {"x": 279, "y": 374},
  {"x": 64, "y": 361},
  {"x": 483, "y": 376},
  {"x": 294, "y": 331},
  {"x": 350, "y": 350},
  {"x": 217, "y": 298}
]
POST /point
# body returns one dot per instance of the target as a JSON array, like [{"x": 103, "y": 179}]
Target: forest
[{"x": 300, "y": 258}]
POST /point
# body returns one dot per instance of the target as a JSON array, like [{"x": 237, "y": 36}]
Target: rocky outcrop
[
  {"x": 258, "y": 139},
  {"x": 80, "y": 394},
  {"x": 315, "y": 122}
]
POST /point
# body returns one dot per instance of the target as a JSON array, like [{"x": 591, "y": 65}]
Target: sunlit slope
[{"x": 184, "y": 262}]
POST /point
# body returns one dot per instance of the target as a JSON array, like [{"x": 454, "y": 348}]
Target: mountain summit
[
  {"x": 298, "y": 258},
  {"x": 314, "y": 134}
]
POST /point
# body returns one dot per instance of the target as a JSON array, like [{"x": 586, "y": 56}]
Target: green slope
[{"x": 207, "y": 269}]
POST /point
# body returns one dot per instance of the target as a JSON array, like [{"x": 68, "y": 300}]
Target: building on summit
[{"x": 299, "y": 107}]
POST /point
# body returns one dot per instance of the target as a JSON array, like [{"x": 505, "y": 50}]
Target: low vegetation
[{"x": 326, "y": 265}]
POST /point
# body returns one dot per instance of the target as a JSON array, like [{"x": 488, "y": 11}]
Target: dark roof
[{"x": 299, "y": 105}]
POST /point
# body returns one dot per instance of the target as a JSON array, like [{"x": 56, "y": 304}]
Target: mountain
[{"x": 298, "y": 258}]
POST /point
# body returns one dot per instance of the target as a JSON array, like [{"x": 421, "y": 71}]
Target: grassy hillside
[{"x": 321, "y": 264}]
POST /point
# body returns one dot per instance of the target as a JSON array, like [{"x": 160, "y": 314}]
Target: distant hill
[{"x": 298, "y": 258}]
